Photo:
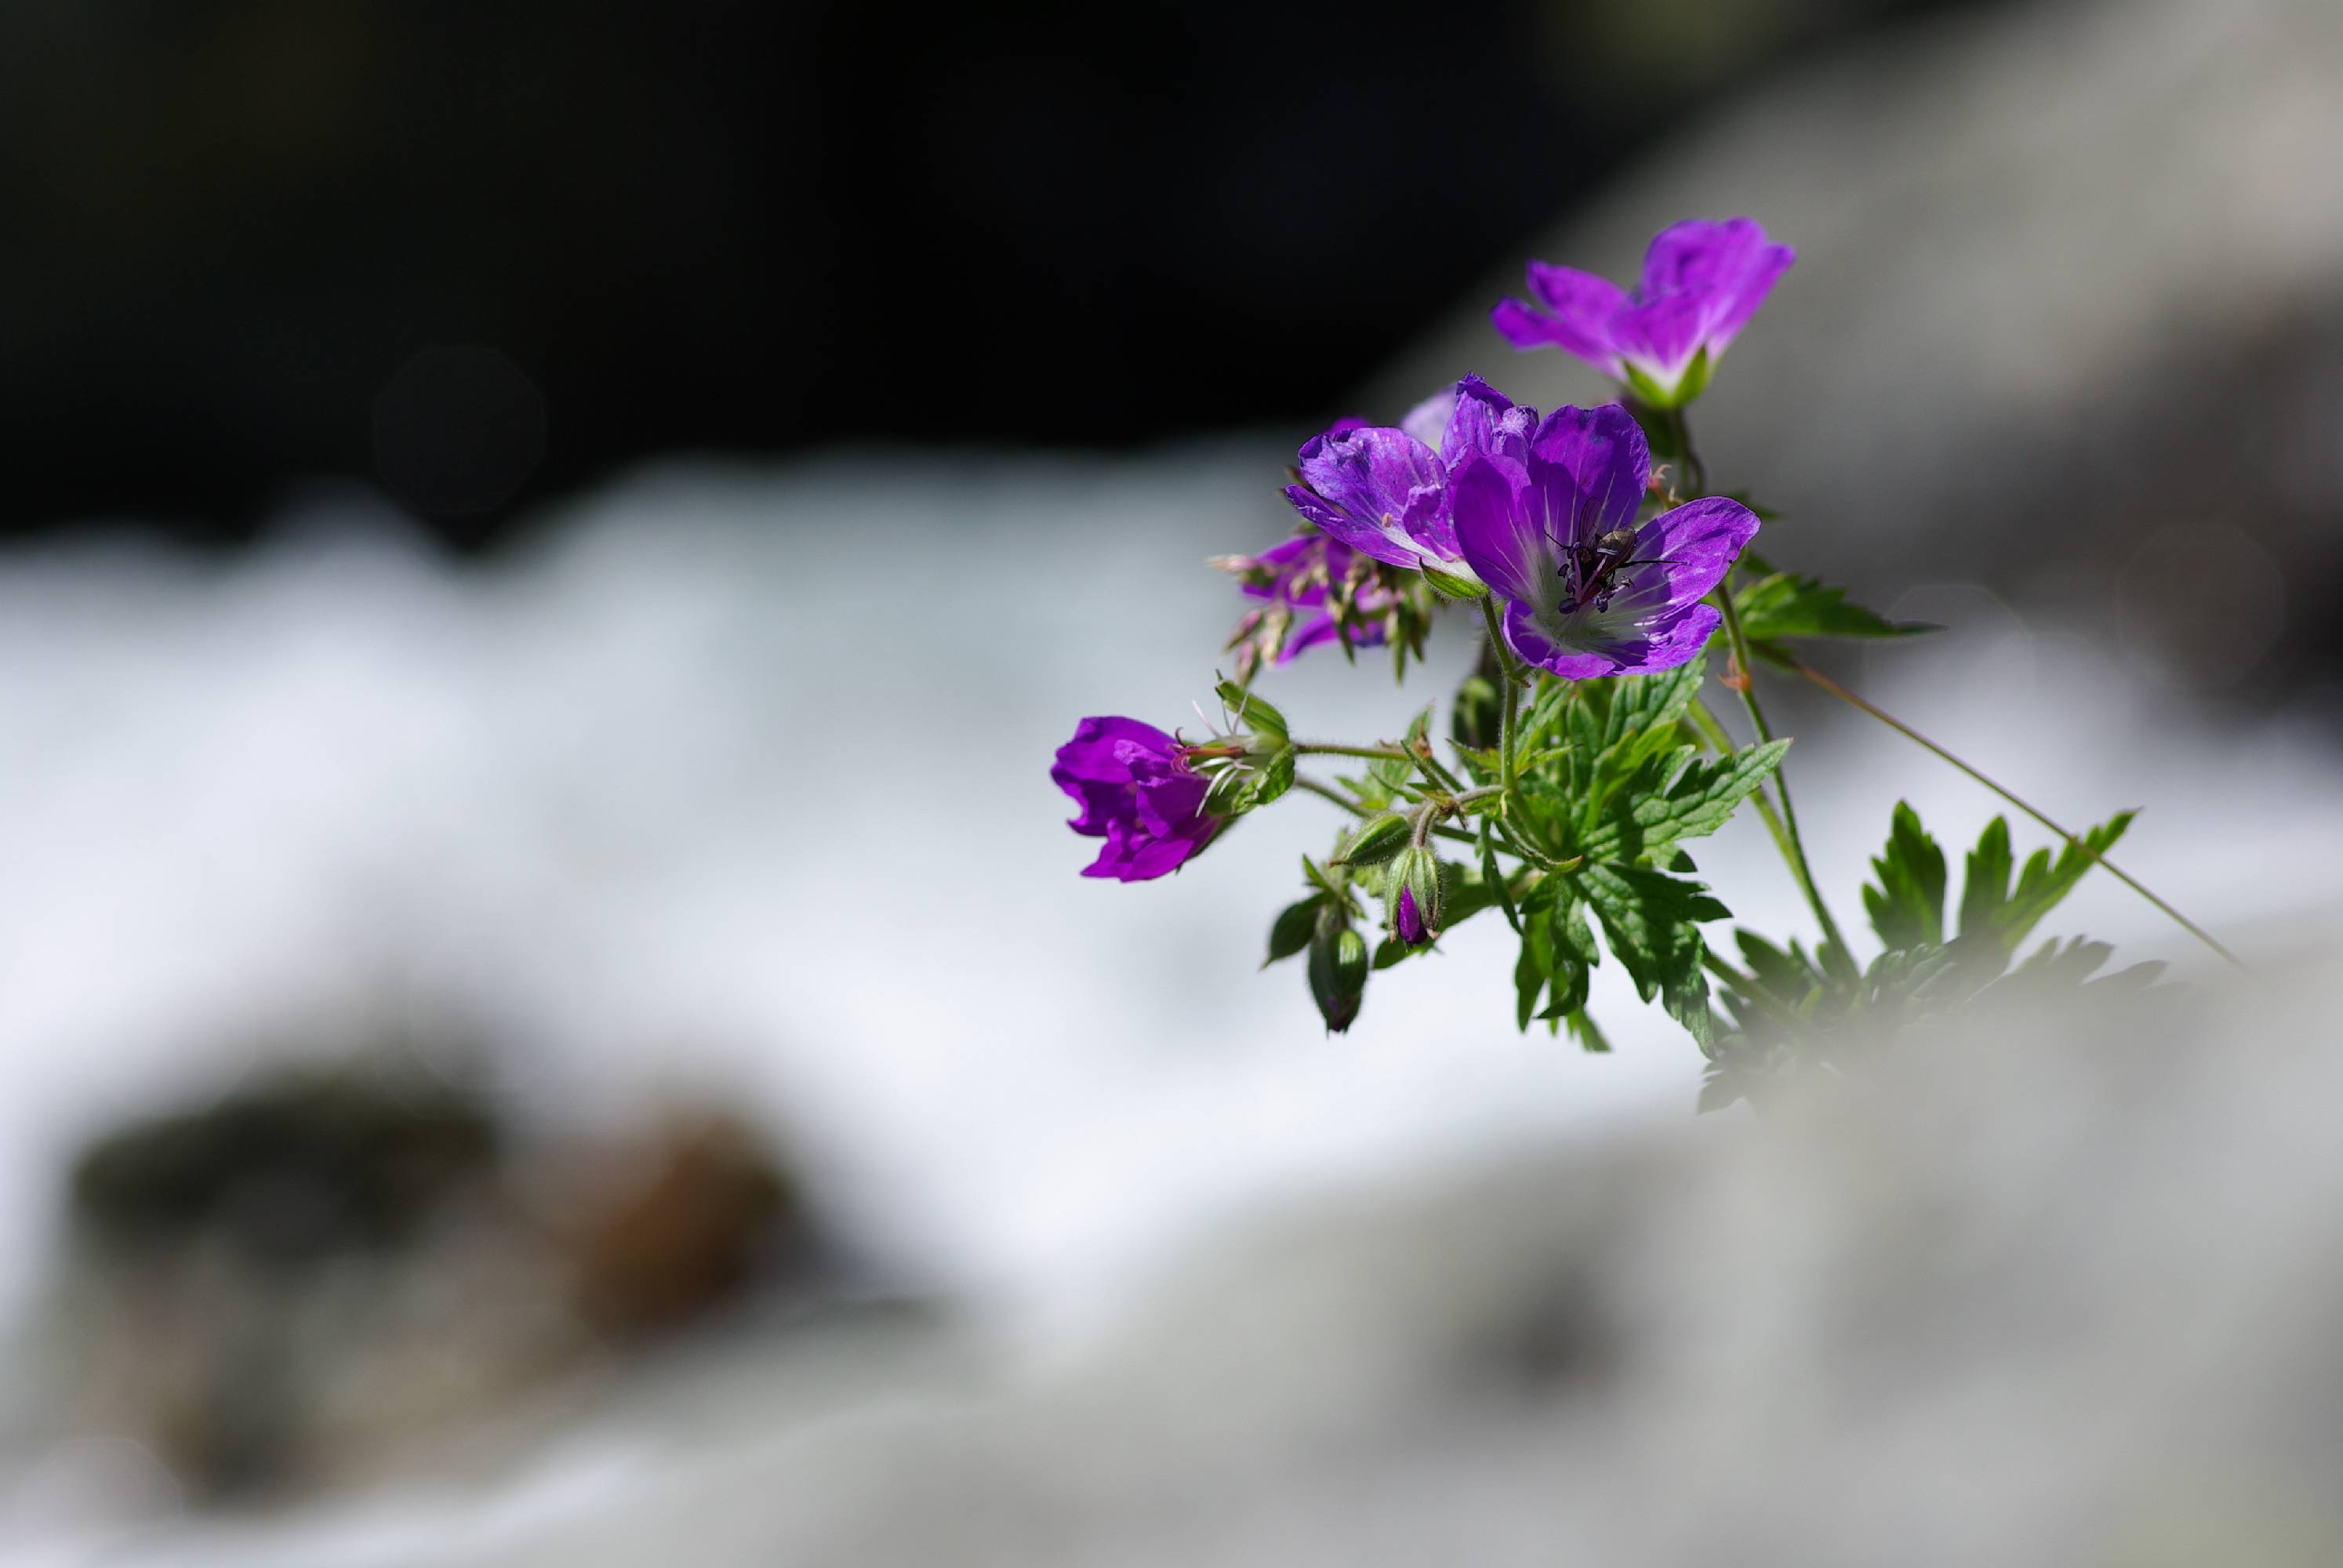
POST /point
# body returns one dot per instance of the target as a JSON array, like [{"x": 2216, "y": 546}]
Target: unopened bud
[
  {"x": 1338, "y": 970},
  {"x": 1376, "y": 840},
  {"x": 1416, "y": 905},
  {"x": 1455, "y": 581}
]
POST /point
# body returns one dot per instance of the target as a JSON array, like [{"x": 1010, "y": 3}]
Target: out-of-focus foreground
[{"x": 603, "y": 1057}]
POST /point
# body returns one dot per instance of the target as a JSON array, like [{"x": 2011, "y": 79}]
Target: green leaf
[
  {"x": 1276, "y": 776},
  {"x": 1985, "y": 885},
  {"x": 1672, "y": 797},
  {"x": 1651, "y": 921},
  {"x": 1584, "y": 1029},
  {"x": 1252, "y": 712},
  {"x": 1908, "y": 905},
  {"x": 2044, "y": 882},
  {"x": 1785, "y": 604},
  {"x": 1289, "y": 932},
  {"x": 1324, "y": 881}
]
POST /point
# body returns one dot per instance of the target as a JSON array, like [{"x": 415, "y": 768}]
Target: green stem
[
  {"x": 1328, "y": 792},
  {"x": 1374, "y": 753},
  {"x": 1785, "y": 836},
  {"x": 1713, "y": 732},
  {"x": 1509, "y": 678},
  {"x": 1843, "y": 694}
]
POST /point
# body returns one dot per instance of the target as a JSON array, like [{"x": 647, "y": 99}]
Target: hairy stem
[
  {"x": 1373, "y": 753},
  {"x": 1509, "y": 682},
  {"x": 2117, "y": 872},
  {"x": 1787, "y": 837},
  {"x": 1713, "y": 732},
  {"x": 1328, "y": 792}
]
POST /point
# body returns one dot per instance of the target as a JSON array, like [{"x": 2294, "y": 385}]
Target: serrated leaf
[
  {"x": 2044, "y": 882},
  {"x": 1651, "y": 921},
  {"x": 1675, "y": 798},
  {"x": 1785, "y": 604},
  {"x": 1908, "y": 905},
  {"x": 1985, "y": 885}
]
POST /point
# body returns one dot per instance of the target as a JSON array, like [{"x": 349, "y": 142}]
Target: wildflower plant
[{"x": 1580, "y": 757}]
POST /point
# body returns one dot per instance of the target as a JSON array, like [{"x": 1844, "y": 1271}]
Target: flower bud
[
  {"x": 1338, "y": 970},
  {"x": 1455, "y": 581},
  {"x": 1376, "y": 840},
  {"x": 1415, "y": 897}
]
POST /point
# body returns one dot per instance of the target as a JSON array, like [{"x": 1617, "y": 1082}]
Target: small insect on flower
[
  {"x": 1596, "y": 565},
  {"x": 1589, "y": 592}
]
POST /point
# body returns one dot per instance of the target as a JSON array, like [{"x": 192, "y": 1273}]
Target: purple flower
[
  {"x": 1554, "y": 532},
  {"x": 1296, "y": 577},
  {"x": 1138, "y": 793},
  {"x": 1702, "y": 283},
  {"x": 1384, "y": 491}
]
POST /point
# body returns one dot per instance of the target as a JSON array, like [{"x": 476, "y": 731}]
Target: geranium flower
[
  {"x": 1384, "y": 491},
  {"x": 1138, "y": 793},
  {"x": 1702, "y": 283},
  {"x": 1590, "y": 593}
]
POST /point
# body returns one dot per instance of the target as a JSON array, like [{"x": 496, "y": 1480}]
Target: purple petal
[
  {"x": 1580, "y": 306},
  {"x": 1488, "y": 505},
  {"x": 1742, "y": 301},
  {"x": 1524, "y": 327},
  {"x": 1659, "y": 337},
  {"x": 1096, "y": 751},
  {"x": 1339, "y": 525},
  {"x": 1592, "y": 467},
  {"x": 1702, "y": 538},
  {"x": 1486, "y": 421},
  {"x": 1170, "y": 802},
  {"x": 1321, "y": 629},
  {"x": 1674, "y": 638},
  {"x": 1309, "y": 634},
  {"x": 1700, "y": 256},
  {"x": 1383, "y": 477},
  {"x": 1533, "y": 647}
]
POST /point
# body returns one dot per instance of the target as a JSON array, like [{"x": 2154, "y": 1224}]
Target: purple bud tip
[{"x": 1409, "y": 921}]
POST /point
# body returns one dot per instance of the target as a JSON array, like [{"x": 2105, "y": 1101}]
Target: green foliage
[
  {"x": 1908, "y": 906},
  {"x": 1779, "y": 604},
  {"x": 1613, "y": 784},
  {"x": 1790, "y": 1010}
]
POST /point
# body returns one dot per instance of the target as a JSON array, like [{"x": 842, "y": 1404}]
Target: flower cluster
[{"x": 1581, "y": 752}]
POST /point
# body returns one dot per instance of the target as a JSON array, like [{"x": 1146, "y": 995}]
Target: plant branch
[
  {"x": 1787, "y": 837},
  {"x": 1325, "y": 791},
  {"x": 1509, "y": 681},
  {"x": 2117, "y": 872}
]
